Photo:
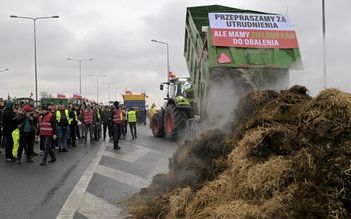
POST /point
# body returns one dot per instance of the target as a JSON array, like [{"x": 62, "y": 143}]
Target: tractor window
[
  {"x": 176, "y": 90},
  {"x": 187, "y": 89}
]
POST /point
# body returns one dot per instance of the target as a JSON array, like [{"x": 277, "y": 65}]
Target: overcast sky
[{"x": 117, "y": 36}]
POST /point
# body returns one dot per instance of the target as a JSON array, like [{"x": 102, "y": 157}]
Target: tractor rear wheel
[
  {"x": 175, "y": 119},
  {"x": 157, "y": 125}
]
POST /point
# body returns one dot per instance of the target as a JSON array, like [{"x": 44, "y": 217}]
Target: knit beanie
[
  {"x": 27, "y": 108},
  {"x": 10, "y": 104}
]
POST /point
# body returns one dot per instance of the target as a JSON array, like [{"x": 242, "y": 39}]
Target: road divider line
[
  {"x": 74, "y": 199},
  {"x": 123, "y": 177},
  {"x": 130, "y": 157},
  {"x": 93, "y": 206}
]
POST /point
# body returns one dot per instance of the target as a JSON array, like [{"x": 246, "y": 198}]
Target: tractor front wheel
[
  {"x": 157, "y": 125},
  {"x": 175, "y": 119}
]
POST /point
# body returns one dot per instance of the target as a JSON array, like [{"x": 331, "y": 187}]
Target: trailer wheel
[
  {"x": 175, "y": 119},
  {"x": 157, "y": 125}
]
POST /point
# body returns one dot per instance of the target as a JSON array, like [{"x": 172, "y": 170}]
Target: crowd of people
[{"x": 55, "y": 127}]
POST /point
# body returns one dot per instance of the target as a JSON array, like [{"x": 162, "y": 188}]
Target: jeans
[
  {"x": 26, "y": 139},
  {"x": 109, "y": 127},
  {"x": 133, "y": 131},
  {"x": 73, "y": 134},
  {"x": 47, "y": 147},
  {"x": 89, "y": 128},
  {"x": 117, "y": 130},
  {"x": 62, "y": 136},
  {"x": 97, "y": 131}
]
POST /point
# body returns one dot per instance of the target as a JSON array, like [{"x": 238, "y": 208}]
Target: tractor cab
[{"x": 179, "y": 87}]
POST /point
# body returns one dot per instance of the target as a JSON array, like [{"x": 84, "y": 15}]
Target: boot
[
  {"x": 53, "y": 160},
  {"x": 29, "y": 160},
  {"x": 43, "y": 163}
]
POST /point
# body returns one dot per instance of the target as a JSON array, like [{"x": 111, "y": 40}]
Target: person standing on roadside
[
  {"x": 88, "y": 117},
  {"x": 10, "y": 123},
  {"x": 132, "y": 122},
  {"x": 106, "y": 122},
  {"x": 81, "y": 130},
  {"x": 74, "y": 114},
  {"x": 63, "y": 121},
  {"x": 27, "y": 128},
  {"x": 124, "y": 122},
  {"x": 97, "y": 128},
  {"x": 47, "y": 131},
  {"x": 1, "y": 109},
  {"x": 117, "y": 125}
]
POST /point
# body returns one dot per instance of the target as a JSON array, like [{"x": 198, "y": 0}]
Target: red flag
[
  {"x": 60, "y": 95},
  {"x": 31, "y": 94},
  {"x": 170, "y": 73},
  {"x": 128, "y": 92},
  {"x": 77, "y": 95}
]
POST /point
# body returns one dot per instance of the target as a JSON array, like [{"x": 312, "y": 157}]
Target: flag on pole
[
  {"x": 77, "y": 95},
  {"x": 144, "y": 93},
  {"x": 128, "y": 92},
  {"x": 31, "y": 94},
  {"x": 61, "y": 95},
  {"x": 171, "y": 73}
]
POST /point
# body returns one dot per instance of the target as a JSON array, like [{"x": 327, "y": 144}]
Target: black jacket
[
  {"x": 33, "y": 121},
  {"x": 9, "y": 121}
]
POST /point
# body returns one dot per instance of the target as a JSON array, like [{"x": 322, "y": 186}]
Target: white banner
[{"x": 250, "y": 21}]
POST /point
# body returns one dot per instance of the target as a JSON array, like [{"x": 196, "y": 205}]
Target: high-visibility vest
[
  {"x": 88, "y": 117},
  {"x": 132, "y": 116},
  {"x": 45, "y": 125},
  {"x": 58, "y": 116},
  {"x": 75, "y": 115},
  {"x": 123, "y": 115},
  {"x": 117, "y": 116}
]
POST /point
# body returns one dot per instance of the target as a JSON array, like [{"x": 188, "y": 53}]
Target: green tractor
[
  {"x": 169, "y": 121},
  {"x": 228, "y": 52}
]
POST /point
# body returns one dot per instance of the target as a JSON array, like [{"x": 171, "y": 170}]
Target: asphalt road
[{"x": 86, "y": 182}]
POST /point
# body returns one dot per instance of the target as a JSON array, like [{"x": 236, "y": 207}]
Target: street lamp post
[
  {"x": 6, "y": 69},
  {"x": 109, "y": 90},
  {"x": 324, "y": 47},
  {"x": 156, "y": 41},
  {"x": 97, "y": 86},
  {"x": 35, "y": 50},
  {"x": 80, "y": 71}
]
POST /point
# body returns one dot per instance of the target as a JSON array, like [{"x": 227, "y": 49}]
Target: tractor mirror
[{"x": 161, "y": 86}]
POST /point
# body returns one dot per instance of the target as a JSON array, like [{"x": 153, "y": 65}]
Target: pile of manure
[{"x": 288, "y": 155}]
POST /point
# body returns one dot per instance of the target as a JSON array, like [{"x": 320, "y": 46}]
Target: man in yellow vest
[
  {"x": 97, "y": 128},
  {"x": 62, "y": 121},
  {"x": 74, "y": 113},
  {"x": 132, "y": 122}
]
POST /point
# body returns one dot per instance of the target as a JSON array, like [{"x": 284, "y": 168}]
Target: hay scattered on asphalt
[{"x": 288, "y": 156}]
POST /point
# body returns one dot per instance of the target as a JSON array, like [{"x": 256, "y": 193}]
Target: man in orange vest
[
  {"x": 88, "y": 117},
  {"x": 117, "y": 125},
  {"x": 47, "y": 131}
]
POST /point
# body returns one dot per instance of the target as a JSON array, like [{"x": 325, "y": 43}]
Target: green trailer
[
  {"x": 55, "y": 101},
  {"x": 228, "y": 52}
]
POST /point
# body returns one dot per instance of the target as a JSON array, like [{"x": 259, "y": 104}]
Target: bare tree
[{"x": 45, "y": 94}]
